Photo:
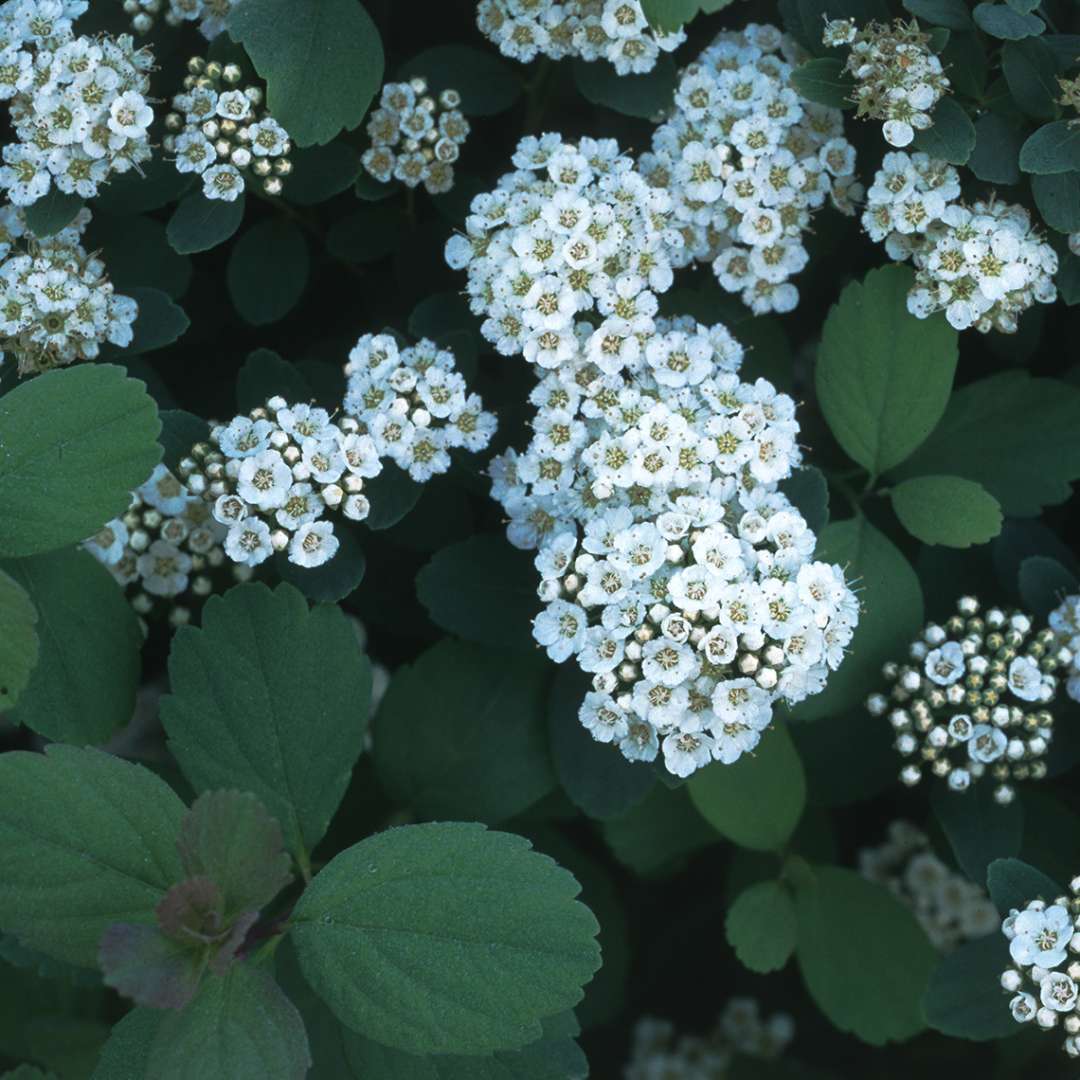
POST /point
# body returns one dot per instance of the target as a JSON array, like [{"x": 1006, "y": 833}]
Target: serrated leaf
[
  {"x": 964, "y": 998},
  {"x": 61, "y": 481},
  {"x": 270, "y": 697},
  {"x": 82, "y": 688},
  {"x": 1001, "y": 21},
  {"x": 151, "y": 969},
  {"x": 1053, "y": 148},
  {"x": 1029, "y": 70},
  {"x": 951, "y": 135},
  {"x": 461, "y": 734},
  {"x": 757, "y": 801},
  {"x": 268, "y": 270},
  {"x": 1044, "y": 583},
  {"x": 643, "y": 96},
  {"x": 487, "y": 84},
  {"x": 761, "y": 926},
  {"x": 288, "y": 40},
  {"x": 850, "y": 931},
  {"x": 86, "y": 840},
  {"x": 977, "y": 827},
  {"x": 445, "y": 938},
  {"x": 199, "y": 224},
  {"x": 824, "y": 81},
  {"x": 946, "y": 510},
  {"x": 883, "y": 377},
  {"x": 1013, "y": 884},
  {"x": 19, "y": 643}
]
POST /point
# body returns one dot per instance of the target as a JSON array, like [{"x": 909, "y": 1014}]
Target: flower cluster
[
  {"x": 974, "y": 701},
  {"x": 984, "y": 266},
  {"x": 898, "y": 79},
  {"x": 217, "y": 130},
  {"x": 413, "y": 404},
  {"x": 210, "y": 14},
  {"x": 57, "y": 304},
  {"x": 746, "y": 161},
  {"x": 575, "y": 228},
  {"x": 612, "y": 30},
  {"x": 166, "y": 550},
  {"x": 949, "y": 908},
  {"x": 78, "y": 104},
  {"x": 659, "y": 1054},
  {"x": 416, "y": 138},
  {"x": 1044, "y": 944},
  {"x": 1065, "y": 622}
]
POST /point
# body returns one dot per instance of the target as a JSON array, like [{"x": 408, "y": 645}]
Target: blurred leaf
[
  {"x": 268, "y": 270},
  {"x": 964, "y": 998},
  {"x": 1013, "y": 884},
  {"x": 1044, "y": 583},
  {"x": 661, "y": 829},
  {"x": 19, "y": 644},
  {"x": 366, "y": 235},
  {"x": 977, "y": 827},
  {"x": 761, "y": 927},
  {"x": 321, "y": 172},
  {"x": 149, "y": 968},
  {"x": 946, "y": 510}
]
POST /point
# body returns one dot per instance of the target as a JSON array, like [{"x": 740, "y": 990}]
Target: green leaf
[
  {"x": 51, "y": 213},
  {"x": 964, "y": 998},
  {"x": 946, "y": 510},
  {"x": 977, "y": 827},
  {"x": 86, "y": 840},
  {"x": 1013, "y": 434},
  {"x": 137, "y": 253},
  {"x": 808, "y": 491},
  {"x": 965, "y": 59},
  {"x": 951, "y": 13},
  {"x": 666, "y": 15},
  {"x": 268, "y": 269},
  {"x": 892, "y": 613},
  {"x": 159, "y": 323},
  {"x": 126, "y": 1055},
  {"x": 997, "y": 147},
  {"x": 61, "y": 481},
  {"x": 761, "y": 927},
  {"x": 289, "y": 40},
  {"x": 658, "y": 831},
  {"x": 1013, "y": 884},
  {"x": 1044, "y": 583},
  {"x": 487, "y": 85},
  {"x": 159, "y": 184},
  {"x": 334, "y": 580},
  {"x": 461, "y": 734},
  {"x": 824, "y": 81},
  {"x": 393, "y": 493},
  {"x": 1029, "y": 69},
  {"x": 321, "y": 172},
  {"x": 180, "y": 431},
  {"x": 643, "y": 96},
  {"x": 19, "y": 645},
  {"x": 951, "y": 135},
  {"x": 265, "y": 375},
  {"x": 1058, "y": 200},
  {"x": 83, "y": 687},
  {"x": 483, "y": 590},
  {"x": 270, "y": 697},
  {"x": 28, "y": 1072},
  {"x": 366, "y": 235},
  {"x": 149, "y": 968},
  {"x": 850, "y": 931},
  {"x": 1054, "y": 148},
  {"x": 1000, "y": 21},
  {"x": 199, "y": 224},
  {"x": 883, "y": 377},
  {"x": 757, "y": 801},
  {"x": 445, "y": 938}
]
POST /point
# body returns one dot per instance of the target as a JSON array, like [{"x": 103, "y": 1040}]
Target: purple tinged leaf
[
  {"x": 144, "y": 965},
  {"x": 191, "y": 912},
  {"x": 227, "y": 952}
]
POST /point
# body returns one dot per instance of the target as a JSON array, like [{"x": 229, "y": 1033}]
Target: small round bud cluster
[
  {"x": 973, "y": 701},
  {"x": 613, "y": 30},
  {"x": 166, "y": 550},
  {"x": 574, "y": 229},
  {"x": 898, "y": 79},
  {"x": 1044, "y": 984},
  {"x": 78, "y": 104},
  {"x": 659, "y": 1053},
  {"x": 983, "y": 265},
  {"x": 949, "y": 908},
  {"x": 746, "y": 161},
  {"x": 413, "y": 404},
  {"x": 210, "y": 14},
  {"x": 57, "y": 304},
  {"x": 1065, "y": 622},
  {"x": 218, "y": 131},
  {"x": 416, "y": 137}
]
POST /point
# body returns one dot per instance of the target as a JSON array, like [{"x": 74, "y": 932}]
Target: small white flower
[
  {"x": 248, "y": 542},
  {"x": 313, "y": 544}
]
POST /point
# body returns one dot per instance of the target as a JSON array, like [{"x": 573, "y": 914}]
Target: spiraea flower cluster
[
  {"x": 210, "y": 14},
  {"x": 746, "y": 161},
  {"x": 983, "y": 265},
  {"x": 660, "y": 1053},
  {"x": 57, "y": 304},
  {"x": 949, "y": 908},
  {"x": 898, "y": 79},
  {"x": 78, "y": 104},
  {"x": 612, "y": 30},
  {"x": 218, "y": 130},
  {"x": 166, "y": 550},
  {"x": 415, "y": 136},
  {"x": 1044, "y": 945},
  {"x": 1065, "y": 622},
  {"x": 574, "y": 229},
  {"x": 974, "y": 700}
]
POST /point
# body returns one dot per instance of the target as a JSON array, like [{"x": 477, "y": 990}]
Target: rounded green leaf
[
  {"x": 138, "y": 254},
  {"x": 808, "y": 491},
  {"x": 824, "y": 81},
  {"x": 977, "y": 827},
  {"x": 951, "y": 13},
  {"x": 643, "y": 96},
  {"x": 1000, "y": 21},
  {"x": 320, "y": 172},
  {"x": 199, "y": 223},
  {"x": 19, "y": 643},
  {"x": 997, "y": 148},
  {"x": 947, "y": 510},
  {"x": 61, "y": 481},
  {"x": 1044, "y": 583},
  {"x": 445, "y": 938},
  {"x": 660, "y": 830},
  {"x": 487, "y": 84},
  {"x": 757, "y": 801},
  {"x": 1057, "y": 197},
  {"x": 268, "y": 271},
  {"x": 1031, "y": 73},
  {"x": 264, "y": 375},
  {"x": 159, "y": 323},
  {"x": 51, "y": 213},
  {"x": 1053, "y": 148},
  {"x": 883, "y": 377},
  {"x": 964, "y": 998},
  {"x": 1013, "y": 884},
  {"x": 951, "y": 134},
  {"x": 761, "y": 926},
  {"x": 366, "y": 235}
]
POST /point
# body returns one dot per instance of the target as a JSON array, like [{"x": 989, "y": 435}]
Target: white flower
[
  {"x": 313, "y": 544},
  {"x": 684, "y": 752},
  {"x": 1041, "y": 936},
  {"x": 264, "y": 480},
  {"x": 945, "y": 666},
  {"x": 248, "y": 542},
  {"x": 1058, "y": 992},
  {"x": 560, "y": 628},
  {"x": 1023, "y": 1007},
  {"x": 1025, "y": 679}
]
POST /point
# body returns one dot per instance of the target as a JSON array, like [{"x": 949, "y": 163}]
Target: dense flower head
[
  {"x": 613, "y": 30},
  {"x": 166, "y": 550},
  {"x": 898, "y": 79},
  {"x": 1065, "y": 622},
  {"x": 660, "y": 1053},
  {"x": 746, "y": 161},
  {"x": 949, "y": 908},
  {"x": 415, "y": 136},
  {"x": 211, "y": 15},
  {"x": 220, "y": 132},
  {"x": 57, "y": 304},
  {"x": 573, "y": 230},
  {"x": 78, "y": 104},
  {"x": 983, "y": 265},
  {"x": 973, "y": 702}
]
